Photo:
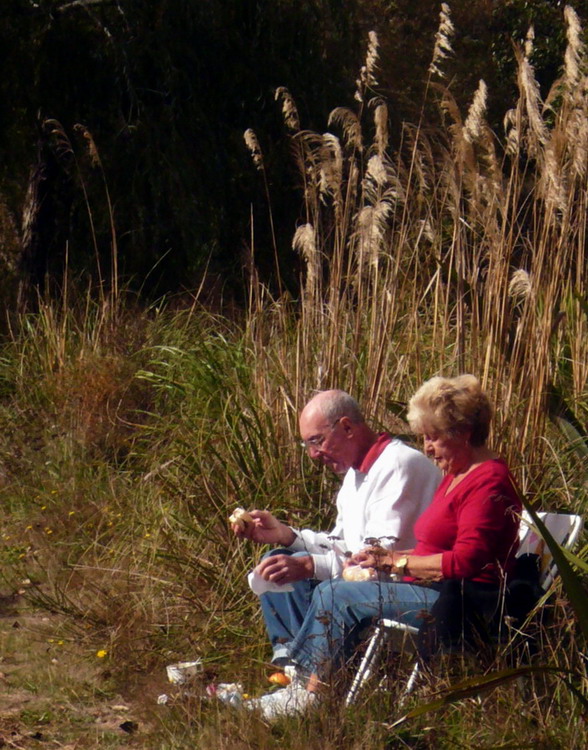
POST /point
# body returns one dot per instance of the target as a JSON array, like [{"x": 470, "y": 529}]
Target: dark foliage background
[{"x": 166, "y": 89}]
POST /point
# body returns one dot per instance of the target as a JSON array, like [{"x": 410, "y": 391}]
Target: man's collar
[{"x": 374, "y": 452}]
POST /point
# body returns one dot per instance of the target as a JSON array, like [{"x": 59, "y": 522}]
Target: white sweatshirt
[{"x": 383, "y": 503}]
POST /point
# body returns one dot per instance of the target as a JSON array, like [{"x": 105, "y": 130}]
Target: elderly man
[{"x": 386, "y": 486}]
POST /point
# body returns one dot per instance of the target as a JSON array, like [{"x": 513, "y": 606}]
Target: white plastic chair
[{"x": 565, "y": 529}]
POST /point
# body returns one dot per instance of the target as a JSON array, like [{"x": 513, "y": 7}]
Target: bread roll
[
  {"x": 240, "y": 517},
  {"x": 357, "y": 573}
]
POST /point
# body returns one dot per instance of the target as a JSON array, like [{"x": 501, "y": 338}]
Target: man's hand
[
  {"x": 265, "y": 529},
  {"x": 282, "y": 569}
]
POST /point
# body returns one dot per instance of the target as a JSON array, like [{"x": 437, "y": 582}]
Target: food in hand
[
  {"x": 357, "y": 573},
  {"x": 241, "y": 518}
]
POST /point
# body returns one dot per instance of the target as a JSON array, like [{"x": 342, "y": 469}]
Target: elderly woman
[{"x": 467, "y": 538}]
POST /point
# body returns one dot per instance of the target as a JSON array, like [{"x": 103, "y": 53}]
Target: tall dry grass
[{"x": 458, "y": 250}]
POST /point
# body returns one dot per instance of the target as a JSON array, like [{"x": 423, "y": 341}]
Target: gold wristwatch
[{"x": 401, "y": 564}]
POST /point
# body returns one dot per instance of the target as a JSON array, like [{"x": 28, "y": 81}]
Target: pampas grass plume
[
  {"x": 289, "y": 109},
  {"x": 253, "y": 145},
  {"x": 511, "y": 129},
  {"x": 575, "y": 49},
  {"x": 519, "y": 286},
  {"x": 377, "y": 171},
  {"x": 90, "y": 143},
  {"x": 331, "y": 169},
  {"x": 350, "y": 124},
  {"x": 381, "y": 123},
  {"x": 372, "y": 58},
  {"x": 529, "y": 41},
  {"x": 530, "y": 89},
  {"x": 304, "y": 242},
  {"x": 472, "y": 128},
  {"x": 366, "y": 74},
  {"x": 443, "y": 38}
]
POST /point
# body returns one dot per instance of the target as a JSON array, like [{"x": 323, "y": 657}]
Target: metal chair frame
[{"x": 566, "y": 530}]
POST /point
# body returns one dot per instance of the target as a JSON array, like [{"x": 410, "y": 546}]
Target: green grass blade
[{"x": 473, "y": 686}]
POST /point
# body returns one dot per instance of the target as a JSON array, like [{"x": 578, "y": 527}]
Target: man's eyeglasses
[{"x": 318, "y": 440}]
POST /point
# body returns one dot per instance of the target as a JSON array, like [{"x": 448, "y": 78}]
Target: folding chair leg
[
  {"x": 365, "y": 668},
  {"x": 410, "y": 684}
]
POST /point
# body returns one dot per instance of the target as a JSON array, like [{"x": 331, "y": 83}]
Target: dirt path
[{"x": 53, "y": 692}]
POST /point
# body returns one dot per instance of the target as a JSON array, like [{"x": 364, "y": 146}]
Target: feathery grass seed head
[
  {"x": 289, "y": 110},
  {"x": 519, "y": 286},
  {"x": 577, "y": 137},
  {"x": 331, "y": 165},
  {"x": 473, "y": 125},
  {"x": 574, "y": 54},
  {"x": 350, "y": 125},
  {"x": 371, "y": 60},
  {"x": 372, "y": 222},
  {"x": 90, "y": 143},
  {"x": 367, "y": 78},
  {"x": 377, "y": 171},
  {"x": 443, "y": 38},
  {"x": 532, "y": 98},
  {"x": 253, "y": 145},
  {"x": 304, "y": 243},
  {"x": 511, "y": 130},
  {"x": 529, "y": 41},
  {"x": 381, "y": 123}
]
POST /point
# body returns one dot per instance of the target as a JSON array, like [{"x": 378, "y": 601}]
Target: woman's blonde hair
[{"x": 451, "y": 405}]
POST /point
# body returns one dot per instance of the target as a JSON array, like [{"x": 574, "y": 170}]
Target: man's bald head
[
  {"x": 334, "y": 404},
  {"x": 334, "y": 430}
]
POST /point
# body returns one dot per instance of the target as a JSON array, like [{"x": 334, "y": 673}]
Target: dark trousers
[{"x": 468, "y": 614}]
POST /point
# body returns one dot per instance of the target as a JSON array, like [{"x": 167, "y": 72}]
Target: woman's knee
[{"x": 337, "y": 594}]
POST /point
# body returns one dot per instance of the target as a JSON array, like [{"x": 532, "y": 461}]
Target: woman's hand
[{"x": 377, "y": 558}]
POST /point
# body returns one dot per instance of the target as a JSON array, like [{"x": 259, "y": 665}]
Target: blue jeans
[
  {"x": 318, "y": 624},
  {"x": 284, "y": 613},
  {"x": 339, "y": 610}
]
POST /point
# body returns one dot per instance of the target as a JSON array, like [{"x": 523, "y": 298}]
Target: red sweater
[{"x": 475, "y": 526}]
